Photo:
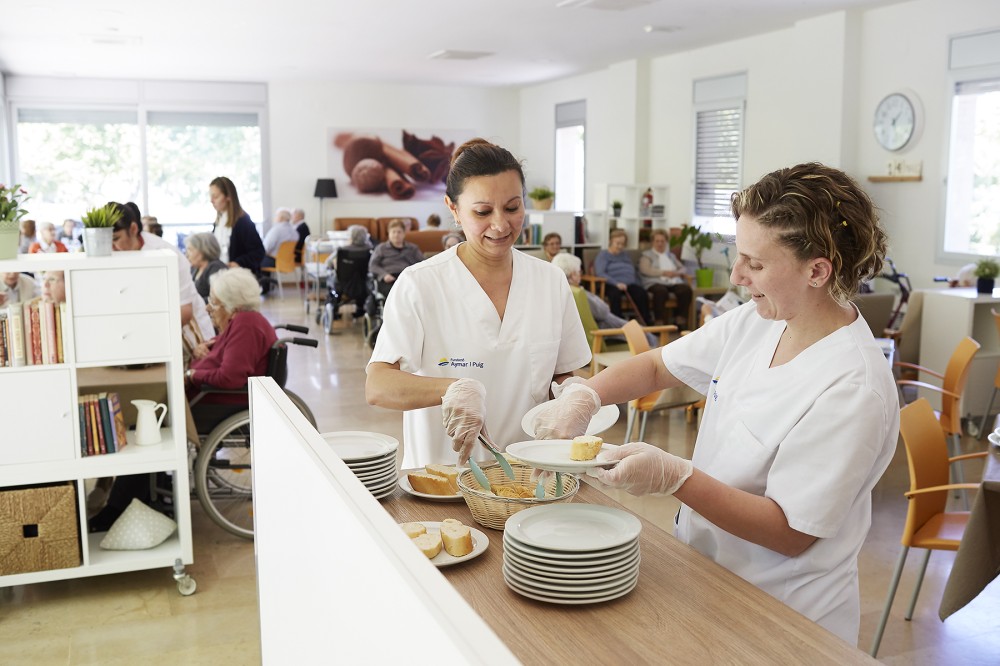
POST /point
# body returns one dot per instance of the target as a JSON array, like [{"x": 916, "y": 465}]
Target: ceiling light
[
  {"x": 661, "y": 28},
  {"x": 451, "y": 54},
  {"x": 606, "y": 5}
]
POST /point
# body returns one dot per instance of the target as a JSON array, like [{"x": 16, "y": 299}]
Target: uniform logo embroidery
[
  {"x": 443, "y": 362},
  {"x": 715, "y": 392},
  {"x": 461, "y": 363}
]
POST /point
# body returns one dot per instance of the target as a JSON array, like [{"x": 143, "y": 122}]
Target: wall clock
[{"x": 895, "y": 121}]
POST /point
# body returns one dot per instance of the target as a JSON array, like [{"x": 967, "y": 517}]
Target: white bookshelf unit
[
  {"x": 633, "y": 217},
  {"x": 564, "y": 224},
  {"x": 121, "y": 329}
]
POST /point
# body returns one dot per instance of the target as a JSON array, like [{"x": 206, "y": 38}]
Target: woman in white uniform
[
  {"x": 474, "y": 336},
  {"x": 801, "y": 415}
]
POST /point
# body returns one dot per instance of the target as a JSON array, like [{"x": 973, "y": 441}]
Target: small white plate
[
  {"x": 605, "y": 417},
  {"x": 553, "y": 455},
  {"x": 480, "y": 542},
  {"x": 572, "y": 528},
  {"x": 357, "y": 446},
  {"x": 404, "y": 483}
]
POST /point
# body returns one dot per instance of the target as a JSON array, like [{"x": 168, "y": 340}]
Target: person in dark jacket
[{"x": 238, "y": 238}]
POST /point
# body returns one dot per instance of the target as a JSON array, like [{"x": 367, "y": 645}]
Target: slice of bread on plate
[
  {"x": 413, "y": 530},
  {"x": 447, "y": 471},
  {"x": 429, "y": 544},
  {"x": 429, "y": 484},
  {"x": 457, "y": 539}
]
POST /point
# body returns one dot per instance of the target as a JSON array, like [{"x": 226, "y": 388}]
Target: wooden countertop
[{"x": 685, "y": 609}]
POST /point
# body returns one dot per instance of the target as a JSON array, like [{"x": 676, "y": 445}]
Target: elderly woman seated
[
  {"x": 238, "y": 352},
  {"x": 348, "y": 277},
  {"x": 391, "y": 257},
  {"x": 573, "y": 268},
  {"x": 203, "y": 251},
  {"x": 615, "y": 265}
]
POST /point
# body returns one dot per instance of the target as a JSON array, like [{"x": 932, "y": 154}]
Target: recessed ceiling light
[
  {"x": 661, "y": 28},
  {"x": 451, "y": 54},
  {"x": 606, "y": 5}
]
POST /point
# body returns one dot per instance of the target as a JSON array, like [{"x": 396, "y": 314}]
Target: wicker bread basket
[{"x": 493, "y": 511}]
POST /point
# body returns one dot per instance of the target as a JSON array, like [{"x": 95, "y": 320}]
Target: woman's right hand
[
  {"x": 463, "y": 412},
  {"x": 569, "y": 414}
]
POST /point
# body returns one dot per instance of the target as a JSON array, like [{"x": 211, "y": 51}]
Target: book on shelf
[
  {"x": 15, "y": 319},
  {"x": 87, "y": 436},
  {"x": 118, "y": 419},
  {"x": 102, "y": 426},
  {"x": 107, "y": 428},
  {"x": 4, "y": 354},
  {"x": 99, "y": 444}
]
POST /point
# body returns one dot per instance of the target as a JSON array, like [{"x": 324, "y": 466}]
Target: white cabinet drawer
[
  {"x": 118, "y": 338},
  {"x": 38, "y": 414},
  {"x": 119, "y": 291}
]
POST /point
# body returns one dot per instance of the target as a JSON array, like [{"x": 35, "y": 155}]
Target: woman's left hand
[
  {"x": 643, "y": 469},
  {"x": 463, "y": 411}
]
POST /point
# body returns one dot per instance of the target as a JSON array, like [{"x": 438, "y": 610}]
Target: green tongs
[{"x": 478, "y": 472}]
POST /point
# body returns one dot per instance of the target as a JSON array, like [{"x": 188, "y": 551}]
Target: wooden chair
[
  {"x": 928, "y": 524},
  {"x": 996, "y": 385},
  {"x": 673, "y": 398},
  {"x": 599, "y": 338},
  {"x": 284, "y": 262},
  {"x": 953, "y": 383}
]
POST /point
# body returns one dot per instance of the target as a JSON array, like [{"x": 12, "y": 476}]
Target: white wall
[
  {"x": 812, "y": 91},
  {"x": 301, "y": 113}
]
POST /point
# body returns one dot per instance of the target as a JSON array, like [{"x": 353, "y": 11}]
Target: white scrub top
[
  {"x": 814, "y": 435},
  {"x": 438, "y": 322}
]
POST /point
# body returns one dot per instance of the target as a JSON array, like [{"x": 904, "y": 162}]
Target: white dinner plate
[
  {"x": 373, "y": 465},
  {"x": 578, "y": 574},
  {"x": 605, "y": 417},
  {"x": 573, "y": 527},
  {"x": 387, "y": 473},
  {"x": 480, "y": 542},
  {"x": 357, "y": 445},
  {"x": 404, "y": 483},
  {"x": 553, "y": 455},
  {"x": 569, "y": 588},
  {"x": 556, "y": 599},
  {"x": 570, "y": 561}
]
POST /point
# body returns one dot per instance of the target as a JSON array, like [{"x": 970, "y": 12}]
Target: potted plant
[
  {"x": 699, "y": 241},
  {"x": 541, "y": 198},
  {"x": 986, "y": 273},
  {"x": 11, "y": 200},
  {"x": 616, "y": 207},
  {"x": 98, "y": 227}
]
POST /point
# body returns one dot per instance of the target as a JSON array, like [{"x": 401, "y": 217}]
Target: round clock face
[{"x": 895, "y": 120}]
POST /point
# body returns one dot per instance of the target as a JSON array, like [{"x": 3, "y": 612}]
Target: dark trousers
[
  {"x": 639, "y": 297},
  {"x": 661, "y": 294}
]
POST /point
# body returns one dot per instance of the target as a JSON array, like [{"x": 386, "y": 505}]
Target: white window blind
[{"x": 718, "y": 147}]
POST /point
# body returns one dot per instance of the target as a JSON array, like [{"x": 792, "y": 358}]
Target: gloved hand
[
  {"x": 463, "y": 411},
  {"x": 643, "y": 470},
  {"x": 568, "y": 415},
  {"x": 557, "y": 389}
]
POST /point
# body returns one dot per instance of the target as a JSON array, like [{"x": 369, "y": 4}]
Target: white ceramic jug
[{"x": 147, "y": 426}]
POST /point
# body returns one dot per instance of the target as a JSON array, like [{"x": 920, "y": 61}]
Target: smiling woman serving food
[
  {"x": 477, "y": 333},
  {"x": 801, "y": 414}
]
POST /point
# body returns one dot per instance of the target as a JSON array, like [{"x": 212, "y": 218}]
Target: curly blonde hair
[{"x": 818, "y": 211}]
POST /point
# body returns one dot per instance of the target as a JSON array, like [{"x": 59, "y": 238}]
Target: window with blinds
[
  {"x": 718, "y": 147},
  {"x": 719, "y": 104}
]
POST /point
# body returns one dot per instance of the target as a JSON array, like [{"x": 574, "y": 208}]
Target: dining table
[
  {"x": 686, "y": 609},
  {"x": 977, "y": 562}
]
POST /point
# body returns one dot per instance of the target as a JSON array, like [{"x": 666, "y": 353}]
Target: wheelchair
[
  {"x": 221, "y": 472},
  {"x": 347, "y": 284},
  {"x": 374, "y": 304}
]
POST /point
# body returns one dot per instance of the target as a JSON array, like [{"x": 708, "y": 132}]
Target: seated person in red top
[
  {"x": 238, "y": 352},
  {"x": 46, "y": 240}
]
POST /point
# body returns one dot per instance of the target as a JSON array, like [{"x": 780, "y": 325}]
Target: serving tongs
[{"x": 477, "y": 471}]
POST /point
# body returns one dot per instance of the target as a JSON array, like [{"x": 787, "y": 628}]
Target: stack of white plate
[
  {"x": 370, "y": 455},
  {"x": 571, "y": 553}
]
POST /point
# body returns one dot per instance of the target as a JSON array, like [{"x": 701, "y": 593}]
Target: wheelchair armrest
[
  {"x": 292, "y": 327},
  {"x": 308, "y": 342}
]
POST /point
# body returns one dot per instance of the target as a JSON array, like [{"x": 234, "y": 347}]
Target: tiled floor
[{"x": 140, "y": 618}]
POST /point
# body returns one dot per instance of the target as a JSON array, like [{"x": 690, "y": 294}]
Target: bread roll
[
  {"x": 430, "y": 484},
  {"x": 429, "y": 544},
  {"x": 457, "y": 539},
  {"x": 451, "y": 521},
  {"x": 447, "y": 471},
  {"x": 413, "y": 530},
  {"x": 585, "y": 447}
]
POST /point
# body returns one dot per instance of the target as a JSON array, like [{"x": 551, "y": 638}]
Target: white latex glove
[
  {"x": 463, "y": 411},
  {"x": 644, "y": 470},
  {"x": 557, "y": 389},
  {"x": 568, "y": 415}
]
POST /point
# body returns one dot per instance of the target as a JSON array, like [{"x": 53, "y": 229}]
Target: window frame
[
  {"x": 574, "y": 114},
  {"x": 714, "y": 94}
]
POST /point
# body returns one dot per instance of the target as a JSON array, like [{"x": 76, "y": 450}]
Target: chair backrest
[
  {"x": 381, "y": 227},
  {"x": 352, "y": 272},
  {"x": 638, "y": 344},
  {"x": 927, "y": 457},
  {"x": 908, "y": 348},
  {"x": 954, "y": 380},
  {"x": 877, "y": 310},
  {"x": 586, "y": 316},
  {"x": 342, "y": 223},
  {"x": 284, "y": 259}
]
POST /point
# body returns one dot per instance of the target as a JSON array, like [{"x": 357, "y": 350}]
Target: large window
[
  {"x": 571, "y": 155},
  {"x": 718, "y": 141},
  {"x": 972, "y": 218},
  {"x": 70, "y": 160}
]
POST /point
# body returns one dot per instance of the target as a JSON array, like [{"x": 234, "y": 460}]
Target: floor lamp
[{"x": 326, "y": 188}]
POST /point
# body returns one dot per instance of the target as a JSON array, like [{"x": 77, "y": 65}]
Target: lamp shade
[{"x": 326, "y": 188}]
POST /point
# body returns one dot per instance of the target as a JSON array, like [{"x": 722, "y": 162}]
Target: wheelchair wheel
[
  {"x": 222, "y": 476},
  {"x": 327, "y": 318},
  {"x": 370, "y": 328},
  {"x": 303, "y": 407}
]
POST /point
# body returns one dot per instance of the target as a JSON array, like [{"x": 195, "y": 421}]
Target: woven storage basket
[
  {"x": 39, "y": 529},
  {"x": 493, "y": 511}
]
